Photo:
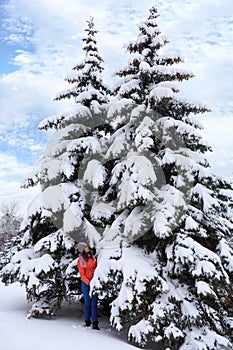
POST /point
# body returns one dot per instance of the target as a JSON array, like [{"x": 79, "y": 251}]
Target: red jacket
[{"x": 86, "y": 269}]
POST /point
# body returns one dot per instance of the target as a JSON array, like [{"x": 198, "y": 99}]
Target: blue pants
[{"x": 90, "y": 304}]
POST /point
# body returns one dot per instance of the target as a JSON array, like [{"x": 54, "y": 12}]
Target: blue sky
[{"x": 40, "y": 41}]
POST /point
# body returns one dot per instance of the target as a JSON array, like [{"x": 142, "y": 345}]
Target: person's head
[
  {"x": 87, "y": 252},
  {"x": 84, "y": 249},
  {"x": 87, "y": 249}
]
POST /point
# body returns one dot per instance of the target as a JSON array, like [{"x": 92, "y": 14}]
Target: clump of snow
[
  {"x": 226, "y": 252},
  {"x": 140, "y": 331},
  {"x": 205, "y": 195},
  {"x": 204, "y": 288},
  {"x": 159, "y": 93},
  {"x": 191, "y": 224},
  {"x": 173, "y": 332},
  {"x": 95, "y": 173},
  {"x": 196, "y": 339}
]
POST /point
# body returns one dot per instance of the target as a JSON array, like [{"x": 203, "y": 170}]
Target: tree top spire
[
  {"x": 90, "y": 23},
  {"x": 153, "y": 12},
  {"x": 90, "y": 28}
]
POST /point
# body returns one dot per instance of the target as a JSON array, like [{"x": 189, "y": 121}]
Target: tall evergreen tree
[
  {"x": 166, "y": 253},
  {"x": 131, "y": 177},
  {"x": 44, "y": 259}
]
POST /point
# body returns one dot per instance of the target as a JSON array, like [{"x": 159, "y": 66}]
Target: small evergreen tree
[
  {"x": 44, "y": 258},
  {"x": 86, "y": 76}
]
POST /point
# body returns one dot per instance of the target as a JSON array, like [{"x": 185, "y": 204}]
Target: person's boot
[
  {"x": 95, "y": 325},
  {"x": 87, "y": 323}
]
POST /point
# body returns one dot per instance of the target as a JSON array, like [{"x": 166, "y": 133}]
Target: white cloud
[
  {"x": 12, "y": 174},
  {"x": 218, "y": 132},
  {"x": 24, "y": 94},
  {"x": 46, "y": 39}
]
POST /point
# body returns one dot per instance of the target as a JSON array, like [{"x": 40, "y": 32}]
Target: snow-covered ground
[{"x": 65, "y": 332}]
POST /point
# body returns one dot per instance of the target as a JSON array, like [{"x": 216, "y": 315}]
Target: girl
[{"x": 86, "y": 266}]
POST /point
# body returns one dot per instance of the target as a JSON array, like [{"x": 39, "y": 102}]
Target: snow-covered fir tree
[
  {"x": 166, "y": 263},
  {"x": 86, "y": 77},
  {"x": 44, "y": 258},
  {"x": 131, "y": 178}
]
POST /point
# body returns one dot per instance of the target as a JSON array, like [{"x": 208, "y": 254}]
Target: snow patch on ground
[{"x": 65, "y": 332}]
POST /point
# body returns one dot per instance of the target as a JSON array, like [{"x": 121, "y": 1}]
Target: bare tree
[{"x": 10, "y": 220}]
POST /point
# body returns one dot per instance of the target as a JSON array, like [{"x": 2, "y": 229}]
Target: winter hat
[{"x": 80, "y": 246}]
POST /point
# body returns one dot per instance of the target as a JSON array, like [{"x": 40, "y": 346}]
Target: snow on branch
[
  {"x": 158, "y": 93},
  {"x": 206, "y": 196},
  {"x": 226, "y": 253},
  {"x": 75, "y": 115},
  {"x": 85, "y": 144},
  {"x": 95, "y": 173},
  {"x": 203, "y": 288}
]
